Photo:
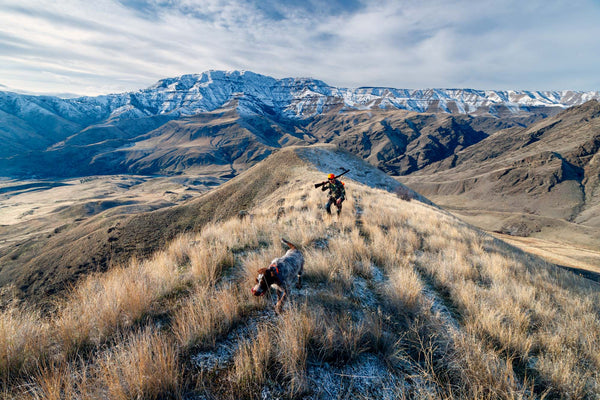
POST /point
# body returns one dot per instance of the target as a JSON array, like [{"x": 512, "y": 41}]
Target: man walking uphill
[{"x": 337, "y": 193}]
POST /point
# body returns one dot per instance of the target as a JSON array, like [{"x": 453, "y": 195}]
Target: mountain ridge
[
  {"x": 398, "y": 300},
  {"x": 531, "y": 181},
  {"x": 45, "y": 264},
  {"x": 89, "y": 135},
  {"x": 192, "y": 93}
]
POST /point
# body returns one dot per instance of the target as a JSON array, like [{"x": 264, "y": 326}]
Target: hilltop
[{"x": 400, "y": 300}]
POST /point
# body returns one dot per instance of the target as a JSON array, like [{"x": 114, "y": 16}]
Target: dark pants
[{"x": 333, "y": 201}]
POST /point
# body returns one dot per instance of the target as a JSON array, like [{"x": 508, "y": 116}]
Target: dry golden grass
[
  {"x": 511, "y": 304},
  {"x": 252, "y": 362},
  {"x": 293, "y": 332},
  {"x": 145, "y": 366},
  {"x": 207, "y": 314},
  {"x": 403, "y": 291},
  {"x": 105, "y": 303},
  {"x": 463, "y": 314},
  {"x": 24, "y": 342},
  {"x": 58, "y": 381}
]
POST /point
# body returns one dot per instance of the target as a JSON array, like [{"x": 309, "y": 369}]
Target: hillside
[
  {"x": 42, "y": 265},
  {"x": 540, "y": 181},
  {"x": 400, "y": 300},
  {"x": 45, "y": 263}
]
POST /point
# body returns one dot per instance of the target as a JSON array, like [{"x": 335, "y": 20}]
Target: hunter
[{"x": 337, "y": 193}]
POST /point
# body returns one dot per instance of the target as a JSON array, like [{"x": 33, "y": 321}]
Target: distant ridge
[
  {"x": 543, "y": 180},
  {"x": 233, "y": 119},
  {"x": 292, "y": 97}
]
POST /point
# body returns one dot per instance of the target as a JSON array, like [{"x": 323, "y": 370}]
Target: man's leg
[
  {"x": 338, "y": 204},
  {"x": 328, "y": 205}
]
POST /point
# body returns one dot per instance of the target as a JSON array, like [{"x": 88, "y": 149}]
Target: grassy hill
[
  {"x": 400, "y": 300},
  {"x": 46, "y": 264}
]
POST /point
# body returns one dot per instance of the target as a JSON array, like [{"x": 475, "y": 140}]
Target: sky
[{"x": 97, "y": 47}]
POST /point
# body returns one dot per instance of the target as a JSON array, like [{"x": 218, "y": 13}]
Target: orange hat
[{"x": 331, "y": 176}]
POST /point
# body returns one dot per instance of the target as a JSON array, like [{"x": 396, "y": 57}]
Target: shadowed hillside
[
  {"x": 400, "y": 300},
  {"x": 541, "y": 181}
]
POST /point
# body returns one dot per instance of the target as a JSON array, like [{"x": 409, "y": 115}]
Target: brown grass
[
  {"x": 207, "y": 314},
  {"x": 24, "y": 342},
  {"x": 145, "y": 366},
  {"x": 252, "y": 363},
  {"x": 461, "y": 313},
  {"x": 104, "y": 304},
  {"x": 57, "y": 381}
]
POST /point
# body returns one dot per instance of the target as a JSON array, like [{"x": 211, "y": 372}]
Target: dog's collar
[{"x": 274, "y": 266}]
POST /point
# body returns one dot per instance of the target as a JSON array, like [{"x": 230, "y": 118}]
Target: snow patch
[{"x": 294, "y": 97}]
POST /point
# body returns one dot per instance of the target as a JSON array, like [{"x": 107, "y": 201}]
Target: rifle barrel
[{"x": 337, "y": 176}]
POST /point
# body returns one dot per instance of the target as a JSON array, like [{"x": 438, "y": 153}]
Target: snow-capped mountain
[
  {"x": 305, "y": 97},
  {"x": 229, "y": 117},
  {"x": 291, "y": 97}
]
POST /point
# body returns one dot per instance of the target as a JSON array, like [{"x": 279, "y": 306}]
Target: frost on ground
[
  {"x": 368, "y": 377},
  {"x": 224, "y": 350}
]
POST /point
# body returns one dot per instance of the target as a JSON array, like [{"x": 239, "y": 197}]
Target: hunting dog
[{"x": 280, "y": 274}]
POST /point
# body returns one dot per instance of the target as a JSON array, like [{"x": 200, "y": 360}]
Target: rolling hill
[
  {"x": 44, "y": 264},
  {"x": 400, "y": 300},
  {"x": 504, "y": 160}
]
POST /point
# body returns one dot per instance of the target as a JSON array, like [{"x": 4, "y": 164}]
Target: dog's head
[{"x": 265, "y": 278}]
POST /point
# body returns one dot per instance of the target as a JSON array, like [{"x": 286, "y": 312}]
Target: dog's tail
[{"x": 290, "y": 245}]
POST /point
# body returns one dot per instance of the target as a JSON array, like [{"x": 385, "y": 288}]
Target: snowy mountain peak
[{"x": 297, "y": 98}]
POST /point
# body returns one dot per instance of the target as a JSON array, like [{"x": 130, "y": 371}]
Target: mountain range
[
  {"x": 229, "y": 120},
  {"x": 132, "y": 227}
]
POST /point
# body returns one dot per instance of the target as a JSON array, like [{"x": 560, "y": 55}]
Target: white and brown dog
[{"x": 280, "y": 274}]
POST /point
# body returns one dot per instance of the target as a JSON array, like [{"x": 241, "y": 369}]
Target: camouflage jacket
[{"x": 336, "y": 189}]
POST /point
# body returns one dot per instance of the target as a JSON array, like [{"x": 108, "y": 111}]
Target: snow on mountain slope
[{"x": 289, "y": 97}]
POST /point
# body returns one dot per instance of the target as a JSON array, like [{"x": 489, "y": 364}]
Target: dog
[{"x": 280, "y": 274}]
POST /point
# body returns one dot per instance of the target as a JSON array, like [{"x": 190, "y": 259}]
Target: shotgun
[{"x": 325, "y": 182}]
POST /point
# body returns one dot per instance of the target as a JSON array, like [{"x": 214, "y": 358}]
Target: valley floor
[
  {"x": 32, "y": 209},
  {"x": 580, "y": 260}
]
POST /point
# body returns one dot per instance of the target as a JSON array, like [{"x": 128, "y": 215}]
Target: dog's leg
[
  {"x": 279, "y": 304},
  {"x": 300, "y": 271}
]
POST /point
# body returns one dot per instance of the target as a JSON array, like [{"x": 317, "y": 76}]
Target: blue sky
[{"x": 108, "y": 46}]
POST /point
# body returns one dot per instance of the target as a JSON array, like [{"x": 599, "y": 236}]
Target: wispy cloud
[{"x": 112, "y": 46}]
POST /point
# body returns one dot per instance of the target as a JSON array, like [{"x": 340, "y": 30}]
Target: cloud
[{"x": 110, "y": 46}]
